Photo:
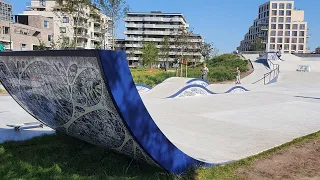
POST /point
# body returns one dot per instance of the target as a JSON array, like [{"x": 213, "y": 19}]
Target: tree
[
  {"x": 165, "y": 50},
  {"x": 115, "y": 9},
  {"x": 41, "y": 46},
  {"x": 74, "y": 8},
  {"x": 258, "y": 45},
  {"x": 150, "y": 53},
  {"x": 182, "y": 39},
  {"x": 208, "y": 50}
]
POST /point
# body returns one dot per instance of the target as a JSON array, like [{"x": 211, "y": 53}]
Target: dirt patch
[{"x": 301, "y": 162}]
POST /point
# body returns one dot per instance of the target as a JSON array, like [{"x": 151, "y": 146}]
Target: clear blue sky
[{"x": 223, "y": 22}]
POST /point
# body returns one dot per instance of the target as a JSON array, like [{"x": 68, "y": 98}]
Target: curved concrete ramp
[{"x": 90, "y": 95}]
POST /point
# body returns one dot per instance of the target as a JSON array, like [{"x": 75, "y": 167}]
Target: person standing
[
  {"x": 238, "y": 76},
  {"x": 204, "y": 71}
]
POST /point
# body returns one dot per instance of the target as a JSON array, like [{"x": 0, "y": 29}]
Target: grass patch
[{"x": 63, "y": 157}]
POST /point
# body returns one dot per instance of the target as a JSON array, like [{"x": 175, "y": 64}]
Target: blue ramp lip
[
  {"x": 236, "y": 87},
  {"x": 198, "y": 79},
  {"x": 189, "y": 87},
  {"x": 136, "y": 117},
  {"x": 143, "y": 85}
]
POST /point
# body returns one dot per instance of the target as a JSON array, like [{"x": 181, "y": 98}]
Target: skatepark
[{"x": 203, "y": 124}]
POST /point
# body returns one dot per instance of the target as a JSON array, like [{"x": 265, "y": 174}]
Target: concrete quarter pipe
[{"x": 90, "y": 94}]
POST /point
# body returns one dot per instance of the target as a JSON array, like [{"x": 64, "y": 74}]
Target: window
[
  {"x": 287, "y": 33},
  {"x": 287, "y": 40},
  {"x": 280, "y": 40},
  {"x": 272, "y": 46},
  {"x": 293, "y": 47},
  {"x": 6, "y": 30},
  {"x": 288, "y": 12},
  {"x": 294, "y": 33},
  {"x": 65, "y": 20},
  {"x": 273, "y": 26},
  {"x": 49, "y": 37},
  {"x": 301, "y": 40},
  {"x": 301, "y": 47},
  {"x": 301, "y": 33},
  {"x": 274, "y": 12},
  {"x": 286, "y": 47},
  {"x": 281, "y": 13},
  {"x": 295, "y": 26},
  {"x": 274, "y": 5},
  {"x": 23, "y": 47},
  {"x": 273, "y": 33},
  {"x": 294, "y": 40},
  {"x": 46, "y": 24},
  {"x": 289, "y": 6},
  {"x": 274, "y": 19},
  {"x": 272, "y": 40},
  {"x": 280, "y": 33},
  {"x": 302, "y": 27},
  {"x": 280, "y": 26},
  {"x": 288, "y": 19},
  {"x": 281, "y": 5},
  {"x": 63, "y": 30},
  {"x": 288, "y": 26},
  {"x": 281, "y": 19}
]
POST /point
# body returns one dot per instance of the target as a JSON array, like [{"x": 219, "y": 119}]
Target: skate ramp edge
[{"x": 90, "y": 94}]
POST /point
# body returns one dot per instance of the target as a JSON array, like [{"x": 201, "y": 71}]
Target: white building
[
  {"x": 279, "y": 26},
  {"x": 92, "y": 27},
  {"x": 6, "y": 11},
  {"x": 153, "y": 27}
]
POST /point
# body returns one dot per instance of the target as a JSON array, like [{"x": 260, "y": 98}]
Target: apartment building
[
  {"x": 153, "y": 27},
  {"x": 317, "y": 51},
  {"x": 90, "y": 26},
  {"x": 27, "y": 33},
  {"x": 279, "y": 26},
  {"x": 6, "y": 11}
]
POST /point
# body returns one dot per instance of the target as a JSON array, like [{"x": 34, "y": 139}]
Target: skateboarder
[
  {"x": 238, "y": 73},
  {"x": 204, "y": 71}
]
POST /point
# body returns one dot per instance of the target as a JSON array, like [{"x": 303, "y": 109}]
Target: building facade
[
  {"x": 88, "y": 28},
  {"x": 6, "y": 11},
  {"x": 317, "y": 51},
  {"x": 153, "y": 27},
  {"x": 28, "y": 33},
  {"x": 279, "y": 26}
]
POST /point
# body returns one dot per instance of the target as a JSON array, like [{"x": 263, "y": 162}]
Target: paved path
[{"x": 12, "y": 113}]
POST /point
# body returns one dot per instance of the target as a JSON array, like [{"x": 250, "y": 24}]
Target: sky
[{"x": 222, "y": 22}]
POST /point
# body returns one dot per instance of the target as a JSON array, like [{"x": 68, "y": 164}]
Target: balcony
[
  {"x": 83, "y": 35},
  {"x": 262, "y": 36},
  {"x": 157, "y": 19},
  {"x": 81, "y": 45},
  {"x": 82, "y": 25},
  {"x": 97, "y": 38},
  {"x": 262, "y": 23},
  {"x": 264, "y": 28}
]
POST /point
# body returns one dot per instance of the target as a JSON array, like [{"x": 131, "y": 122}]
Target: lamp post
[{"x": 10, "y": 36}]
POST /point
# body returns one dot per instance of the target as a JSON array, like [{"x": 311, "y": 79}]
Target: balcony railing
[{"x": 264, "y": 28}]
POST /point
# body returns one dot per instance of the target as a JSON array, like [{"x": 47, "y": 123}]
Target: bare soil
[{"x": 301, "y": 161}]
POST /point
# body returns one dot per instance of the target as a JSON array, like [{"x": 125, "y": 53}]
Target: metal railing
[{"x": 268, "y": 77}]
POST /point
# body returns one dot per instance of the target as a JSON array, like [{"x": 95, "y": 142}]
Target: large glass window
[
  {"x": 294, "y": 40},
  {"x": 288, "y": 12},
  {"x": 274, "y": 12},
  {"x": 65, "y": 20},
  {"x": 281, "y": 13},
  {"x": 301, "y": 40},
  {"x": 46, "y": 24},
  {"x": 272, "y": 40},
  {"x": 293, "y": 47},
  {"x": 288, "y": 26},
  {"x": 302, "y": 27},
  {"x": 287, "y": 33},
  {"x": 289, "y": 6},
  {"x": 301, "y": 47},
  {"x": 295, "y": 26},
  {"x": 281, "y": 19},
  {"x": 287, "y": 40},
  {"x": 63, "y": 30},
  {"x": 273, "y": 33},
  {"x": 273, "y": 26},
  {"x": 280, "y": 26},
  {"x": 274, "y": 19},
  {"x": 288, "y": 19},
  {"x": 274, "y": 5},
  {"x": 281, "y": 5},
  {"x": 286, "y": 47},
  {"x": 272, "y": 46},
  {"x": 280, "y": 33},
  {"x": 301, "y": 33},
  {"x": 294, "y": 33},
  {"x": 280, "y": 40}
]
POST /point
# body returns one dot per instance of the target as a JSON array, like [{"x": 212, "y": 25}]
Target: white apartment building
[
  {"x": 153, "y": 27},
  {"x": 6, "y": 11},
  {"x": 92, "y": 27},
  {"x": 279, "y": 26}
]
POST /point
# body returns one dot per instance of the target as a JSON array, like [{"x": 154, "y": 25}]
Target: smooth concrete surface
[{"x": 12, "y": 113}]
